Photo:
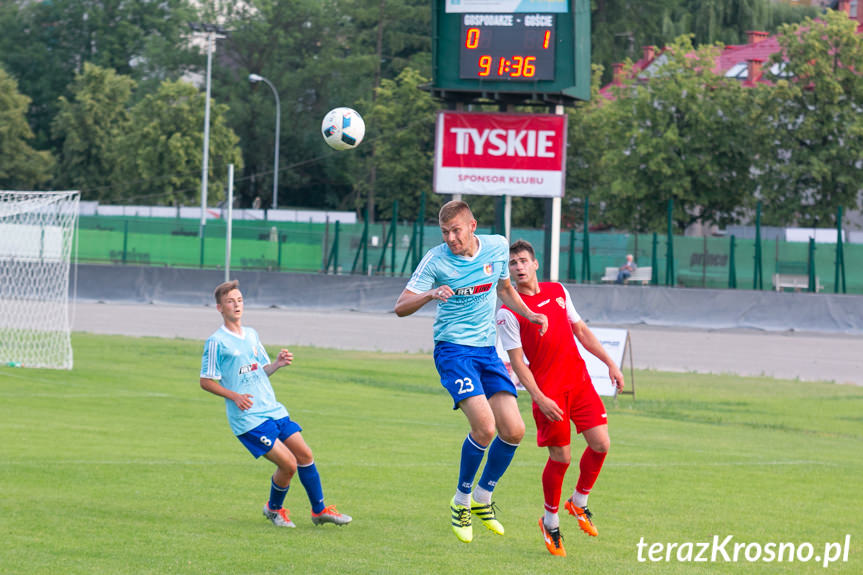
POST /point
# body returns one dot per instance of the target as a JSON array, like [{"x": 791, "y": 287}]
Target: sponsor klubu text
[
  {"x": 500, "y": 179},
  {"x": 727, "y": 550}
]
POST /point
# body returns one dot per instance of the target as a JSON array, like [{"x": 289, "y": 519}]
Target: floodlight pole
[
  {"x": 553, "y": 254},
  {"x": 255, "y": 78},
  {"x": 210, "y": 42},
  {"x": 230, "y": 221},
  {"x": 213, "y": 32}
]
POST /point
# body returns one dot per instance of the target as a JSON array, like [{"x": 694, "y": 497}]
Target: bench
[
  {"x": 641, "y": 275},
  {"x": 797, "y": 282}
]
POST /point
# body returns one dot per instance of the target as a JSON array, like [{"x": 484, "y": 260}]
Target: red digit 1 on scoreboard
[{"x": 546, "y": 39}]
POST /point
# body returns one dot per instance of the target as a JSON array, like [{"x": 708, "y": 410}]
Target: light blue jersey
[
  {"x": 467, "y": 318},
  {"x": 237, "y": 362}
]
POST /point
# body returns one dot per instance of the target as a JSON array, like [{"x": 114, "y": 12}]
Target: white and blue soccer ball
[{"x": 343, "y": 128}]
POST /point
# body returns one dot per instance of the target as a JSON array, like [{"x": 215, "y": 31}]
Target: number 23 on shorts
[{"x": 465, "y": 385}]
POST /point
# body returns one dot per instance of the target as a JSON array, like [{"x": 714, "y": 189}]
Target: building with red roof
[{"x": 743, "y": 61}]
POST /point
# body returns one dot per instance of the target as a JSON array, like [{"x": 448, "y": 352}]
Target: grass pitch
[{"x": 124, "y": 465}]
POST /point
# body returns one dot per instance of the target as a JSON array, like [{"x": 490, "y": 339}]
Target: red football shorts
[{"x": 584, "y": 408}]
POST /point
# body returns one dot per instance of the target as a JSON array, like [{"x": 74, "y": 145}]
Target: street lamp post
[{"x": 254, "y": 79}]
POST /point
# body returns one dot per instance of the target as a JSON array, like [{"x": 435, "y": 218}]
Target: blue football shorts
[
  {"x": 260, "y": 440},
  {"x": 466, "y": 371}
]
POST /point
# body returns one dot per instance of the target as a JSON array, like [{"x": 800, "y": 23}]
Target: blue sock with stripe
[
  {"x": 471, "y": 457},
  {"x": 277, "y": 496},
  {"x": 311, "y": 480},
  {"x": 500, "y": 455}
]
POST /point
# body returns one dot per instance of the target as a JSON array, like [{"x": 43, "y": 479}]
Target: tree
[
  {"x": 161, "y": 152},
  {"x": 622, "y": 27},
  {"x": 589, "y": 138},
  {"x": 813, "y": 124},
  {"x": 395, "y": 32},
  {"x": 727, "y": 21},
  {"x": 21, "y": 167},
  {"x": 44, "y": 44},
  {"x": 88, "y": 126},
  {"x": 300, "y": 46},
  {"x": 318, "y": 55},
  {"x": 681, "y": 135},
  {"x": 404, "y": 117}
]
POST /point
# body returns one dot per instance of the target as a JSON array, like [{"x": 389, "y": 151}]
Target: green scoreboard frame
[{"x": 533, "y": 57}]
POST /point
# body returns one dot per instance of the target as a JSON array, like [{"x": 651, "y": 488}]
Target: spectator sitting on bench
[{"x": 626, "y": 269}]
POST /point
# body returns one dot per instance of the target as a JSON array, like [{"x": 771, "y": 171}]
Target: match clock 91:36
[{"x": 516, "y": 47}]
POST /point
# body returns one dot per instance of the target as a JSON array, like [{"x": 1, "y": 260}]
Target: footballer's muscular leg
[
  {"x": 300, "y": 448},
  {"x": 510, "y": 425},
  {"x": 597, "y": 438},
  {"x": 307, "y": 470},
  {"x": 510, "y": 429},
  {"x": 286, "y": 463},
  {"x": 560, "y": 453},
  {"x": 591, "y": 462},
  {"x": 480, "y": 417},
  {"x": 553, "y": 474},
  {"x": 499, "y": 411}
]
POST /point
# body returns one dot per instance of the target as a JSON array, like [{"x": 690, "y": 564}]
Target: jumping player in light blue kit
[
  {"x": 235, "y": 366},
  {"x": 464, "y": 274}
]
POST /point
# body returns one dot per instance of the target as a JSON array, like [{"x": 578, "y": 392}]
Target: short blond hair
[
  {"x": 453, "y": 209},
  {"x": 224, "y": 288}
]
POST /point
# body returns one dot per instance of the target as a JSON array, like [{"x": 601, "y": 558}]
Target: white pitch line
[
  {"x": 714, "y": 463},
  {"x": 434, "y": 464}
]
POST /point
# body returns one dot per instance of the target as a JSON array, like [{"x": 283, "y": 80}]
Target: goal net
[{"x": 37, "y": 231}]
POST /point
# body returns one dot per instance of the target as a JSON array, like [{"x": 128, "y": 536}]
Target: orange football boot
[
  {"x": 584, "y": 516},
  {"x": 553, "y": 540}
]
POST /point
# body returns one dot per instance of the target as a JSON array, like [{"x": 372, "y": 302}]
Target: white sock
[
  {"x": 551, "y": 520},
  {"x": 481, "y": 495},
  {"x": 580, "y": 499},
  {"x": 462, "y": 498}
]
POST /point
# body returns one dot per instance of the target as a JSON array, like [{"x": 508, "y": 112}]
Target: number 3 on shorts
[{"x": 464, "y": 385}]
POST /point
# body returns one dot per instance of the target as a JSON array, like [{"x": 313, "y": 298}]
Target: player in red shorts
[{"x": 560, "y": 387}]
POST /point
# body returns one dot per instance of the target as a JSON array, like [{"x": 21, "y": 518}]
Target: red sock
[
  {"x": 590, "y": 465},
  {"x": 552, "y": 483}
]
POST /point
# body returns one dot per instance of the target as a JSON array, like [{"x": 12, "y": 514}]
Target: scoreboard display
[
  {"x": 511, "y": 50},
  {"x": 517, "y": 47}
]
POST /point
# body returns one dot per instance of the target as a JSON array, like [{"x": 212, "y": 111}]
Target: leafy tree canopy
[
  {"x": 22, "y": 167},
  {"x": 812, "y": 123}
]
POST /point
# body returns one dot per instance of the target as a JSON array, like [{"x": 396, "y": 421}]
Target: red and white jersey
[{"x": 553, "y": 358}]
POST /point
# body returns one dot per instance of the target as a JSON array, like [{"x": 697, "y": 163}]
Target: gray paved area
[{"x": 789, "y": 355}]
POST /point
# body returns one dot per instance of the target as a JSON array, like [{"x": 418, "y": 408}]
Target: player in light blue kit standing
[
  {"x": 235, "y": 366},
  {"x": 464, "y": 274}
]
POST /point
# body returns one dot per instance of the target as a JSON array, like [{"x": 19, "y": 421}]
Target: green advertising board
[{"x": 511, "y": 50}]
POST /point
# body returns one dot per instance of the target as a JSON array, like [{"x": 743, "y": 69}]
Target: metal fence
[{"x": 698, "y": 262}]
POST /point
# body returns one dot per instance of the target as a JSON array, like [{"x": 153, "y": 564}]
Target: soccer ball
[{"x": 343, "y": 128}]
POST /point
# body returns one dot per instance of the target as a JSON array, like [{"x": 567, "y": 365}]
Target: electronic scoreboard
[{"x": 511, "y": 49}]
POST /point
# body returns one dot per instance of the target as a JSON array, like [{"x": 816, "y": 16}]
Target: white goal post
[{"x": 37, "y": 233}]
